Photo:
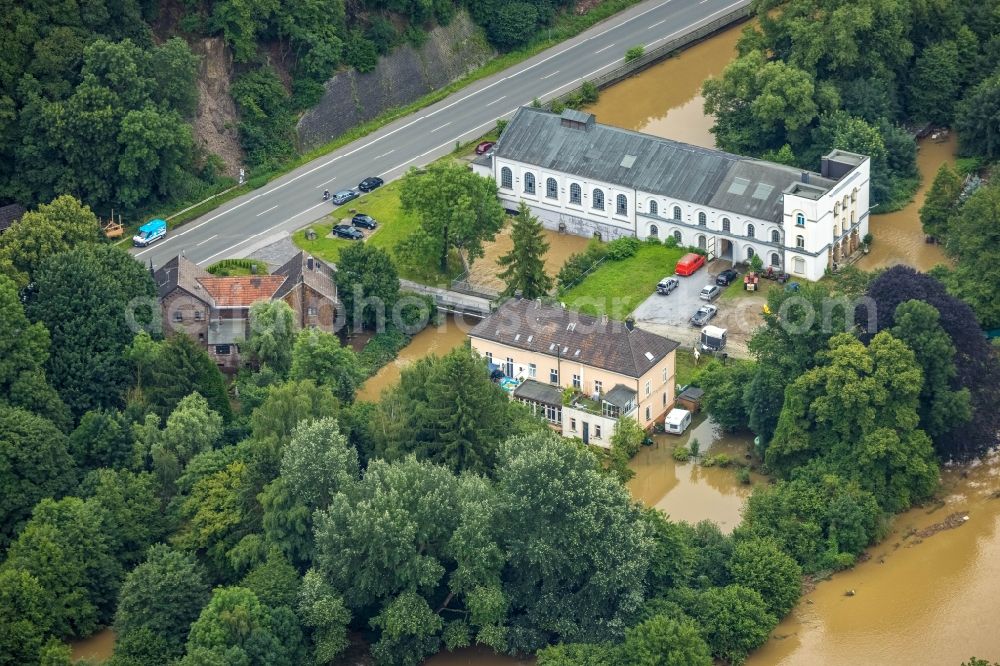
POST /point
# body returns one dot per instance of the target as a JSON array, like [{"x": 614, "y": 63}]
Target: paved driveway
[{"x": 669, "y": 315}]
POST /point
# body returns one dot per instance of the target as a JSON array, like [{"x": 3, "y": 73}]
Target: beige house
[{"x": 614, "y": 369}]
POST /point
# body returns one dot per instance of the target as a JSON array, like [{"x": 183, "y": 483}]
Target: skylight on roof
[
  {"x": 738, "y": 186},
  {"x": 517, "y": 337},
  {"x": 552, "y": 346},
  {"x": 649, "y": 356},
  {"x": 762, "y": 191},
  {"x": 628, "y": 161},
  {"x": 576, "y": 353},
  {"x": 530, "y": 338}
]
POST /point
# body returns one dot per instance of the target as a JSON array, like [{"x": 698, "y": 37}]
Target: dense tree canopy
[
  {"x": 367, "y": 285},
  {"x": 272, "y": 333},
  {"x": 319, "y": 356}
]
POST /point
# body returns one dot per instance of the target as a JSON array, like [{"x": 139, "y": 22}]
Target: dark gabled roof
[
  {"x": 11, "y": 214},
  {"x": 181, "y": 272},
  {"x": 692, "y": 393},
  {"x": 296, "y": 269},
  {"x": 620, "y": 395},
  {"x": 606, "y": 344},
  {"x": 651, "y": 164},
  {"x": 539, "y": 392}
]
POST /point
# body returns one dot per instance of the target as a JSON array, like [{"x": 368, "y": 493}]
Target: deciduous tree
[
  {"x": 665, "y": 641},
  {"x": 317, "y": 463},
  {"x": 272, "y": 333},
  {"x": 320, "y": 357},
  {"x": 182, "y": 367},
  {"x": 367, "y": 285},
  {"x": 761, "y": 565},
  {"x": 941, "y": 203}
]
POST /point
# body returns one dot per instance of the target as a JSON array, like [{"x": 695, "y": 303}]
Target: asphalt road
[{"x": 261, "y": 217}]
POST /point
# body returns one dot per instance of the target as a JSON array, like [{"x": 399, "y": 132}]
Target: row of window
[{"x": 552, "y": 191}]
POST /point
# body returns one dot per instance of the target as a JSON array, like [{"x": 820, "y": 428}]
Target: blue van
[{"x": 150, "y": 232}]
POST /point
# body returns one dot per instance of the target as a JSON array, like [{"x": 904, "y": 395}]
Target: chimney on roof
[
  {"x": 311, "y": 264},
  {"x": 805, "y": 177},
  {"x": 538, "y": 303},
  {"x": 253, "y": 268},
  {"x": 604, "y": 319},
  {"x": 630, "y": 324}
]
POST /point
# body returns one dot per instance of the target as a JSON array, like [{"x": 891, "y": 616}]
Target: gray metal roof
[
  {"x": 740, "y": 185},
  {"x": 620, "y": 396},
  {"x": 539, "y": 392}
]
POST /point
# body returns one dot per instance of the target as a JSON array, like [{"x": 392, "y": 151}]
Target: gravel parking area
[{"x": 669, "y": 315}]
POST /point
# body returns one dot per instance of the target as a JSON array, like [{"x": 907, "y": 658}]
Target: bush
[
  {"x": 381, "y": 349},
  {"x": 695, "y": 447},
  {"x": 743, "y": 475},
  {"x": 718, "y": 460},
  {"x": 623, "y": 248},
  {"x": 670, "y": 242},
  {"x": 581, "y": 262},
  {"x": 360, "y": 53},
  {"x": 589, "y": 92},
  {"x": 634, "y": 52},
  {"x": 501, "y": 126},
  {"x": 557, "y": 106},
  {"x": 681, "y": 453}
]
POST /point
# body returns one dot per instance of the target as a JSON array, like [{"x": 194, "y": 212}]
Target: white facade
[{"x": 820, "y": 224}]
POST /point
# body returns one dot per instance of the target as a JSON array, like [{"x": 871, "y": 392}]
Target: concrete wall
[{"x": 400, "y": 78}]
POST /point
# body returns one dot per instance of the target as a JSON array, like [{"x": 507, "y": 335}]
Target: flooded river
[
  {"x": 485, "y": 271},
  {"x": 97, "y": 647},
  {"x": 899, "y": 238}
]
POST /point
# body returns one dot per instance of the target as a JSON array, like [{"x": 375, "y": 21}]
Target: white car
[{"x": 710, "y": 292}]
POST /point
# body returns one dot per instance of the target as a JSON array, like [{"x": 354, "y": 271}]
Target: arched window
[
  {"x": 775, "y": 236},
  {"x": 702, "y": 220},
  {"x": 677, "y": 212},
  {"x": 529, "y": 183},
  {"x": 506, "y": 178},
  {"x": 852, "y": 218},
  {"x": 725, "y": 224},
  {"x": 854, "y": 195},
  {"x": 653, "y": 231},
  {"x": 836, "y": 209},
  {"x": 678, "y": 238},
  {"x": 598, "y": 202},
  {"x": 750, "y": 253},
  {"x": 750, "y": 231},
  {"x": 551, "y": 188},
  {"x": 845, "y": 202},
  {"x": 702, "y": 243},
  {"x": 800, "y": 242},
  {"x": 575, "y": 194},
  {"x": 653, "y": 208},
  {"x": 836, "y": 230},
  {"x": 621, "y": 205},
  {"x": 800, "y": 220},
  {"x": 775, "y": 259}
]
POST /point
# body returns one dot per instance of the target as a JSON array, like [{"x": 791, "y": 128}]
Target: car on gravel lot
[
  {"x": 484, "y": 147},
  {"x": 710, "y": 292},
  {"x": 667, "y": 285},
  {"x": 347, "y": 231},
  {"x": 703, "y": 315},
  {"x": 370, "y": 183},
  {"x": 366, "y": 221},
  {"x": 726, "y": 277},
  {"x": 344, "y": 196}
]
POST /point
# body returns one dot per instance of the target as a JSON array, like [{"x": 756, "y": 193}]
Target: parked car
[
  {"x": 370, "y": 183},
  {"x": 347, "y": 231},
  {"x": 150, "y": 232},
  {"x": 366, "y": 221},
  {"x": 484, "y": 147},
  {"x": 689, "y": 263},
  {"x": 710, "y": 292},
  {"x": 703, "y": 315},
  {"x": 726, "y": 277},
  {"x": 667, "y": 285},
  {"x": 344, "y": 196}
]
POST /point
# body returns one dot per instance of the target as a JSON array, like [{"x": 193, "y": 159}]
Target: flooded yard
[{"x": 485, "y": 271}]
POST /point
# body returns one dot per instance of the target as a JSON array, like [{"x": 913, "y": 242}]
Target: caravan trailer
[
  {"x": 713, "y": 339},
  {"x": 677, "y": 421}
]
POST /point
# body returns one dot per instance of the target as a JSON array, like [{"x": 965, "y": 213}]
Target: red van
[{"x": 689, "y": 263}]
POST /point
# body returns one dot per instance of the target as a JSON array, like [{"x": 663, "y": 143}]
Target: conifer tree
[{"x": 524, "y": 265}]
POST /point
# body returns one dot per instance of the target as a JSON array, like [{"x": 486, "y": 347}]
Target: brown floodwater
[
  {"x": 97, "y": 647},
  {"x": 665, "y": 99},
  {"x": 438, "y": 340},
  {"x": 899, "y": 238},
  {"x": 485, "y": 271},
  {"x": 918, "y": 599}
]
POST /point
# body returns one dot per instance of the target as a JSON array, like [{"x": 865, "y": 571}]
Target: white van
[{"x": 677, "y": 421}]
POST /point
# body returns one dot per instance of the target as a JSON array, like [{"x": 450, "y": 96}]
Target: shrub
[
  {"x": 743, "y": 475},
  {"x": 589, "y": 92},
  {"x": 361, "y": 53},
  {"x": 695, "y": 447},
  {"x": 557, "y": 106},
  {"x": 718, "y": 460},
  {"x": 670, "y": 241},
  {"x": 681, "y": 453},
  {"x": 634, "y": 52},
  {"x": 381, "y": 349},
  {"x": 580, "y": 263},
  {"x": 501, "y": 125},
  {"x": 623, "y": 248}
]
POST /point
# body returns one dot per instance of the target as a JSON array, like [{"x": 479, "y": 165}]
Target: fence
[{"x": 656, "y": 54}]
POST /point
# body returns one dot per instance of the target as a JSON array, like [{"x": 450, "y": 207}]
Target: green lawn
[
  {"x": 393, "y": 226},
  {"x": 685, "y": 366},
  {"x": 616, "y": 288}
]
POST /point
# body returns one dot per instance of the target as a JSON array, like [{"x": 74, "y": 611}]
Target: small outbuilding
[{"x": 690, "y": 399}]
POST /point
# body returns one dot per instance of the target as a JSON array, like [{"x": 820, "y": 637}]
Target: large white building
[{"x": 589, "y": 179}]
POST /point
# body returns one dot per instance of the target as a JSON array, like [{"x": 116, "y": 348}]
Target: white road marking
[
  {"x": 386, "y": 154},
  {"x": 192, "y": 228},
  {"x": 604, "y": 49},
  {"x": 266, "y": 211},
  {"x": 549, "y": 75},
  {"x": 207, "y": 239},
  {"x": 440, "y": 127},
  {"x": 261, "y": 233},
  {"x": 657, "y": 23},
  {"x": 496, "y": 100}
]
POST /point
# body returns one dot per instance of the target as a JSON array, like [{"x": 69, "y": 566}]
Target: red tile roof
[{"x": 241, "y": 291}]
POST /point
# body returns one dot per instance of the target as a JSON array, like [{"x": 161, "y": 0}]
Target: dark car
[
  {"x": 347, "y": 231},
  {"x": 344, "y": 196},
  {"x": 370, "y": 183},
  {"x": 703, "y": 315},
  {"x": 484, "y": 147},
  {"x": 366, "y": 221},
  {"x": 726, "y": 277}
]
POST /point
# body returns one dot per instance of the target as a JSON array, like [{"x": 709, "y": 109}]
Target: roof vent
[{"x": 571, "y": 326}]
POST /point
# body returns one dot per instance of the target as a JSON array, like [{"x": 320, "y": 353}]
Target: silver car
[
  {"x": 710, "y": 292},
  {"x": 667, "y": 285}
]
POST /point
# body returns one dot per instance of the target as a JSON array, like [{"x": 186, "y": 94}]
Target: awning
[{"x": 534, "y": 391}]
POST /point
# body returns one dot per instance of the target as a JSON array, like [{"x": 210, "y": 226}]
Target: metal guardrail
[{"x": 656, "y": 54}]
